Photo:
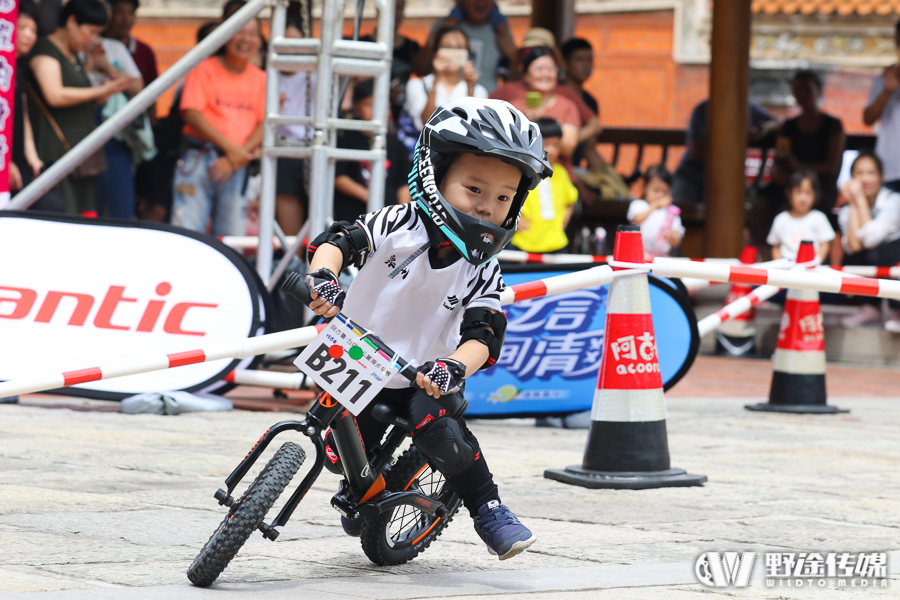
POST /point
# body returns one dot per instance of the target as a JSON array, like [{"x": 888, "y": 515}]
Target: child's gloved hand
[
  {"x": 326, "y": 292},
  {"x": 441, "y": 377}
]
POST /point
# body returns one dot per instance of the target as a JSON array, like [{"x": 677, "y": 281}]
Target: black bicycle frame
[{"x": 361, "y": 472}]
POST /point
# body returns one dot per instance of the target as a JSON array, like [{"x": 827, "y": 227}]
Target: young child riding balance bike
[{"x": 429, "y": 282}]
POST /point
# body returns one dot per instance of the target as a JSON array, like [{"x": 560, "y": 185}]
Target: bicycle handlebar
[{"x": 295, "y": 286}]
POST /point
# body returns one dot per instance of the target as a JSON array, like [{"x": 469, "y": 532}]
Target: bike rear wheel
[
  {"x": 397, "y": 536},
  {"x": 246, "y": 515}
]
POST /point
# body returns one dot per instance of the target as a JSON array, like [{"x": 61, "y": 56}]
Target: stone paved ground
[{"x": 105, "y": 505}]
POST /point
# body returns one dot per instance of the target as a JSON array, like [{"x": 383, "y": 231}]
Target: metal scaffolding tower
[{"x": 330, "y": 57}]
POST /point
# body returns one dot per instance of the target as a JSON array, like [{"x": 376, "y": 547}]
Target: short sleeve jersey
[
  {"x": 418, "y": 311},
  {"x": 233, "y": 103},
  {"x": 653, "y": 225},
  {"x": 788, "y": 231}
]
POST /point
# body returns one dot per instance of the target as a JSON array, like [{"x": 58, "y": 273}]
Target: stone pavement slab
[{"x": 108, "y": 505}]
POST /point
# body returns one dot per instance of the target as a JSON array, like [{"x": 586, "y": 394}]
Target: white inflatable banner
[{"x": 83, "y": 292}]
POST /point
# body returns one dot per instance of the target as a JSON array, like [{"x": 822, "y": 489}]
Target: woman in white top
[
  {"x": 870, "y": 228},
  {"x": 454, "y": 77}
]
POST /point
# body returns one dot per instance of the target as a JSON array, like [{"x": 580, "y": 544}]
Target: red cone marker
[
  {"x": 798, "y": 379},
  {"x": 627, "y": 445}
]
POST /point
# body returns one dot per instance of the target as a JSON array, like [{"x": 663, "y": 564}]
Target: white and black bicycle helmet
[{"x": 493, "y": 128}]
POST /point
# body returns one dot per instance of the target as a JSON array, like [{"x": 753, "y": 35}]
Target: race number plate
[{"x": 346, "y": 365}]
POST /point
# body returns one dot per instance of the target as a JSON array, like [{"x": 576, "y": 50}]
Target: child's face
[
  {"x": 363, "y": 109},
  {"x": 658, "y": 191},
  {"x": 803, "y": 197},
  {"x": 481, "y": 187},
  {"x": 551, "y": 145},
  {"x": 291, "y": 31}
]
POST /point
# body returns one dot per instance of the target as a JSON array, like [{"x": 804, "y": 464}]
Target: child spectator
[
  {"x": 801, "y": 222},
  {"x": 661, "y": 228},
  {"x": 549, "y": 206},
  {"x": 351, "y": 185},
  {"x": 454, "y": 77},
  {"x": 870, "y": 228},
  {"x": 223, "y": 105},
  {"x": 115, "y": 186},
  {"x": 121, "y": 21}
]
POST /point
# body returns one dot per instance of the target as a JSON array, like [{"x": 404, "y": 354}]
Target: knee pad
[{"x": 446, "y": 447}]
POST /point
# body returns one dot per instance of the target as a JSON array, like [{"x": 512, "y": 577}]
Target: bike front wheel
[
  {"x": 397, "y": 536},
  {"x": 246, "y": 515}
]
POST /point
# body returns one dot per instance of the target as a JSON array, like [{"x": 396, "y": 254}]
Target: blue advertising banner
[{"x": 551, "y": 356}]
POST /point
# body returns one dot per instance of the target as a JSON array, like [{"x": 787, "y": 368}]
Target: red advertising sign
[{"x": 9, "y": 10}]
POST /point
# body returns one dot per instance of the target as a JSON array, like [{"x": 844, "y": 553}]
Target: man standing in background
[{"x": 884, "y": 106}]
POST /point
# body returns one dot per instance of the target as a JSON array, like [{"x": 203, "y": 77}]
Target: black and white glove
[
  {"x": 325, "y": 284},
  {"x": 447, "y": 374}
]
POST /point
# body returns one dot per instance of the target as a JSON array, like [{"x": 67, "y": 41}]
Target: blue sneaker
[
  {"x": 352, "y": 527},
  {"x": 504, "y": 535}
]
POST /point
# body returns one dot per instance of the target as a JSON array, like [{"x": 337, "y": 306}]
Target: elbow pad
[
  {"x": 351, "y": 240},
  {"x": 488, "y": 328}
]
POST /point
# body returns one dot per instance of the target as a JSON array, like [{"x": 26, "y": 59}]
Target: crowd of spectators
[{"x": 196, "y": 167}]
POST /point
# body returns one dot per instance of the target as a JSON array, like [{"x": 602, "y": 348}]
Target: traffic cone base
[
  {"x": 627, "y": 445},
  {"x": 621, "y": 446},
  {"x": 743, "y": 345},
  {"x": 797, "y": 393},
  {"x": 623, "y": 480}
]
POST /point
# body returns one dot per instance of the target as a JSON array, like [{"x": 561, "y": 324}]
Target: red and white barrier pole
[
  {"x": 250, "y": 242},
  {"x": 243, "y": 349},
  {"x": 549, "y": 286},
  {"x": 736, "y": 308},
  {"x": 282, "y": 340},
  {"x": 819, "y": 282},
  {"x": 272, "y": 379},
  {"x": 866, "y": 271},
  {"x": 518, "y": 256}
]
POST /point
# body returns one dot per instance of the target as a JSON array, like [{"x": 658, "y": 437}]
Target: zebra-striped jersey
[{"x": 415, "y": 306}]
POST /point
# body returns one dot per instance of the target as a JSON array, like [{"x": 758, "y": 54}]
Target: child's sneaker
[
  {"x": 352, "y": 527},
  {"x": 504, "y": 535}
]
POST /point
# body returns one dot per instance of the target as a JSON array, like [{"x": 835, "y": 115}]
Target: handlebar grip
[{"x": 294, "y": 285}]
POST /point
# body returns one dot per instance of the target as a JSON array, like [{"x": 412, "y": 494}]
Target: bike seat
[{"x": 386, "y": 414}]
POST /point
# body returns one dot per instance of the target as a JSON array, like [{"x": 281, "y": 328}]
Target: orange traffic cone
[
  {"x": 798, "y": 379},
  {"x": 737, "y": 336},
  {"x": 627, "y": 445}
]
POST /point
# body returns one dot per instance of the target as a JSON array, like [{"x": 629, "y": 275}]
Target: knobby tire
[
  {"x": 246, "y": 515},
  {"x": 413, "y": 530}
]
